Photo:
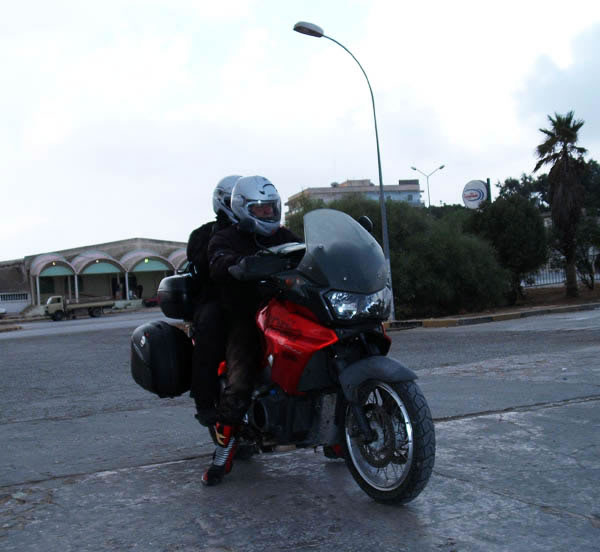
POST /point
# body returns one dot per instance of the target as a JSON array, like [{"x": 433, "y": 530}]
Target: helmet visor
[{"x": 269, "y": 211}]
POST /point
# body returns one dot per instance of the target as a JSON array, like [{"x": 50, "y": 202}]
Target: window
[{"x": 5, "y": 297}]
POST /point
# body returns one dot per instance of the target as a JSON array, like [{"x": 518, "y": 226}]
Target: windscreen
[{"x": 341, "y": 254}]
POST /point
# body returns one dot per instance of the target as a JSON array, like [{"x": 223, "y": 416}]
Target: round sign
[{"x": 474, "y": 193}]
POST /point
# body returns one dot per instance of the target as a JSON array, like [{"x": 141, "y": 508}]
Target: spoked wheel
[{"x": 396, "y": 465}]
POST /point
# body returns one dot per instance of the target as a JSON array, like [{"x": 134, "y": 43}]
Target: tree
[
  {"x": 588, "y": 234},
  {"x": 588, "y": 242},
  {"x": 295, "y": 221},
  {"x": 515, "y": 228},
  {"x": 534, "y": 189},
  {"x": 565, "y": 186},
  {"x": 456, "y": 215}
]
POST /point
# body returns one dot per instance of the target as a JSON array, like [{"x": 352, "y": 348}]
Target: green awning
[
  {"x": 151, "y": 265},
  {"x": 56, "y": 271},
  {"x": 100, "y": 268}
]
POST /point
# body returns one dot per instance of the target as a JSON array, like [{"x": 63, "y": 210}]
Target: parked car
[
  {"x": 2, "y": 312},
  {"x": 150, "y": 301}
]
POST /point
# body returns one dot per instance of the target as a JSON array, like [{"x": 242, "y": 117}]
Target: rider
[
  {"x": 209, "y": 331},
  {"x": 257, "y": 205}
]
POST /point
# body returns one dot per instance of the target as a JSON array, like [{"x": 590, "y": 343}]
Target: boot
[{"x": 223, "y": 456}]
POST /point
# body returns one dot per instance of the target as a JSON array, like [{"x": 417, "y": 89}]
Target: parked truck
[{"x": 59, "y": 308}]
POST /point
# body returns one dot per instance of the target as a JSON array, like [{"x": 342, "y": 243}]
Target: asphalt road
[{"x": 89, "y": 461}]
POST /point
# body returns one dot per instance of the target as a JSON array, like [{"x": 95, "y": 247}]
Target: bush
[
  {"x": 444, "y": 271},
  {"x": 436, "y": 268},
  {"x": 514, "y": 227}
]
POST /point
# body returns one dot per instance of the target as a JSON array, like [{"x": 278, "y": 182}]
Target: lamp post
[
  {"x": 427, "y": 177},
  {"x": 311, "y": 29}
]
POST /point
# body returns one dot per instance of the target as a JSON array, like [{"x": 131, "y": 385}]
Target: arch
[
  {"x": 178, "y": 258},
  {"x": 97, "y": 262},
  {"x": 142, "y": 260},
  {"x": 51, "y": 265}
]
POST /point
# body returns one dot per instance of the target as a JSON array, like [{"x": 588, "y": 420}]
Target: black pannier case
[
  {"x": 161, "y": 359},
  {"x": 175, "y": 296}
]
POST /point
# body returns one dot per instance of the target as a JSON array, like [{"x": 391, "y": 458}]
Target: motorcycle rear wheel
[{"x": 396, "y": 466}]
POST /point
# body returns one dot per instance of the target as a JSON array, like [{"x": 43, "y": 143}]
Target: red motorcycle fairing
[{"x": 292, "y": 335}]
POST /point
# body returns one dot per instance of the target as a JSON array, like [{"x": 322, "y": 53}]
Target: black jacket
[
  {"x": 226, "y": 248},
  {"x": 197, "y": 254}
]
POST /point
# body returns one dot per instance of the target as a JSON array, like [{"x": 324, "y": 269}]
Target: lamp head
[
  {"x": 442, "y": 166},
  {"x": 309, "y": 29},
  {"x": 414, "y": 168}
]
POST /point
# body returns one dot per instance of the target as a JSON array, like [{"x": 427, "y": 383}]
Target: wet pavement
[{"x": 98, "y": 464}]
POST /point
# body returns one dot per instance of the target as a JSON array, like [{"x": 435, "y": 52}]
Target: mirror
[{"x": 366, "y": 223}]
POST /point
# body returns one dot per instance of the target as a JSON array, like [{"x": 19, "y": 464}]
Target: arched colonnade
[{"x": 95, "y": 273}]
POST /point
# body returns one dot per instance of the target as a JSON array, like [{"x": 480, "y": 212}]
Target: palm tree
[{"x": 566, "y": 189}]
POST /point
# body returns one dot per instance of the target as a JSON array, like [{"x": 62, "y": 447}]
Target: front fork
[
  {"x": 367, "y": 434},
  {"x": 361, "y": 347}
]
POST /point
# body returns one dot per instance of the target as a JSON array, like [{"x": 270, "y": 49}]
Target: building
[
  {"x": 405, "y": 190},
  {"x": 120, "y": 270}
]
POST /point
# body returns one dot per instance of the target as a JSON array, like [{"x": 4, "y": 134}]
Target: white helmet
[
  {"x": 222, "y": 196},
  {"x": 255, "y": 198}
]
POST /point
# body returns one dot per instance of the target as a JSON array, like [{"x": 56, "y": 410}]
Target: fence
[{"x": 549, "y": 275}]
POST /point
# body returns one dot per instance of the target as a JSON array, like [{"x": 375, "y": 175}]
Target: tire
[
  {"x": 396, "y": 467},
  {"x": 94, "y": 312},
  {"x": 58, "y": 316}
]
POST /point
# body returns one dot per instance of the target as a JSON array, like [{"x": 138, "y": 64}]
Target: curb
[
  {"x": 10, "y": 328},
  {"x": 41, "y": 318},
  {"x": 467, "y": 321},
  {"x": 17, "y": 320},
  {"x": 395, "y": 325}
]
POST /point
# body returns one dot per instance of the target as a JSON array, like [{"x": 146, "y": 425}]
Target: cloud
[
  {"x": 136, "y": 109},
  {"x": 550, "y": 88}
]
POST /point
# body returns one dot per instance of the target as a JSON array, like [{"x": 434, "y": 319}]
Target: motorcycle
[{"x": 325, "y": 379}]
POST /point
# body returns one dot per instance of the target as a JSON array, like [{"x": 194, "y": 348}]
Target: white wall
[{"x": 14, "y": 302}]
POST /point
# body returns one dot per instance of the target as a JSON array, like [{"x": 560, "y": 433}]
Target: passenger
[
  {"x": 209, "y": 324},
  {"x": 255, "y": 202}
]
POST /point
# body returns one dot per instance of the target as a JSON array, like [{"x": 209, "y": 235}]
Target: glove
[
  {"x": 255, "y": 267},
  {"x": 238, "y": 269}
]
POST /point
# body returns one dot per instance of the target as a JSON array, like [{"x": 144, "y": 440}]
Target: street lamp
[
  {"x": 311, "y": 29},
  {"x": 427, "y": 177}
]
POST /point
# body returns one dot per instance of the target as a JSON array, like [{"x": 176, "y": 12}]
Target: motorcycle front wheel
[{"x": 395, "y": 467}]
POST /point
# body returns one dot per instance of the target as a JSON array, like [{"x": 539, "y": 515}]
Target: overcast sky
[{"x": 119, "y": 117}]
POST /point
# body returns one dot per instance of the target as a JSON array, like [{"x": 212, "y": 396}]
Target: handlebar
[{"x": 263, "y": 265}]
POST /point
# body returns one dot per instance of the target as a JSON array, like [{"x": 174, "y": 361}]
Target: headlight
[{"x": 350, "y": 306}]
